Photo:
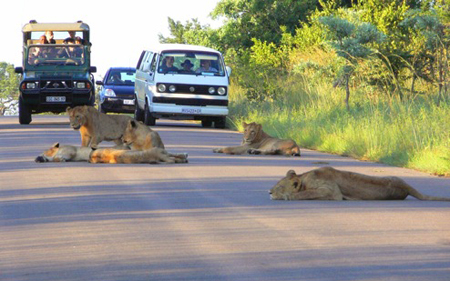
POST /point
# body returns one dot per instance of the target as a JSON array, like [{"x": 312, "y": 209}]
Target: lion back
[{"x": 107, "y": 127}]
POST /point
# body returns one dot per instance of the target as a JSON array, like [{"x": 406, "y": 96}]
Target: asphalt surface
[{"x": 211, "y": 219}]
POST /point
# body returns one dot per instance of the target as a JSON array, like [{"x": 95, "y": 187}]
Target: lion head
[
  {"x": 78, "y": 116},
  {"x": 252, "y": 133},
  {"x": 131, "y": 132},
  {"x": 286, "y": 187},
  {"x": 49, "y": 154}
]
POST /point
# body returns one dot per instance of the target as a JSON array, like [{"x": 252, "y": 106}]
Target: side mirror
[
  {"x": 98, "y": 82},
  {"x": 92, "y": 69},
  {"x": 228, "y": 70},
  {"x": 18, "y": 69}
]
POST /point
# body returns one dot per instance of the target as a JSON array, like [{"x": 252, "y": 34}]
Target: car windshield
[
  {"x": 191, "y": 63},
  {"x": 118, "y": 77},
  {"x": 56, "y": 55}
]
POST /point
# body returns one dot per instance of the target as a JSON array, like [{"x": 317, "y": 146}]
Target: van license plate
[
  {"x": 55, "y": 99},
  {"x": 191, "y": 110},
  {"x": 128, "y": 102}
]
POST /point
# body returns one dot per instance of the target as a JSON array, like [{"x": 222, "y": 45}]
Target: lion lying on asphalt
[
  {"x": 256, "y": 141},
  {"x": 330, "y": 184},
  {"x": 65, "y": 153},
  {"x": 139, "y": 136},
  {"x": 96, "y": 127}
]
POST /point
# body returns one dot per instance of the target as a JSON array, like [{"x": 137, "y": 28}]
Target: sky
[{"x": 120, "y": 30}]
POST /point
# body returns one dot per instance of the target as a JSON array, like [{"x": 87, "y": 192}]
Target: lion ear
[
  {"x": 68, "y": 109},
  {"x": 133, "y": 124},
  {"x": 244, "y": 124},
  {"x": 55, "y": 145},
  {"x": 290, "y": 174}
]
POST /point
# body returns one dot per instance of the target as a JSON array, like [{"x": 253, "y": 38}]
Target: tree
[
  {"x": 9, "y": 86},
  {"x": 260, "y": 19},
  {"x": 352, "y": 42}
]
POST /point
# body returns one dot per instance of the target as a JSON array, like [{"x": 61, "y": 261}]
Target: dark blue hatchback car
[{"x": 117, "y": 93}]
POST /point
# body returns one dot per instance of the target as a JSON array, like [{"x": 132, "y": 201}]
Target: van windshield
[
  {"x": 191, "y": 63},
  {"x": 51, "y": 54}
]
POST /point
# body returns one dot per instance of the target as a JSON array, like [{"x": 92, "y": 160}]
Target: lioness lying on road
[
  {"x": 139, "y": 136},
  {"x": 330, "y": 184},
  {"x": 256, "y": 141},
  {"x": 96, "y": 127},
  {"x": 65, "y": 153}
]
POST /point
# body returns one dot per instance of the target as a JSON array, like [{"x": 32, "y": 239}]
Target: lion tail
[{"x": 414, "y": 193}]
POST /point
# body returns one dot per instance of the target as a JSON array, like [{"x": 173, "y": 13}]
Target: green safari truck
[{"x": 56, "y": 70}]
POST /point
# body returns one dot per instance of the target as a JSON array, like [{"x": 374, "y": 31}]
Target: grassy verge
[{"x": 413, "y": 133}]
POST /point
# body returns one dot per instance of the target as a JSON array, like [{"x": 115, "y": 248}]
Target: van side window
[
  {"x": 147, "y": 60},
  {"x": 153, "y": 65}
]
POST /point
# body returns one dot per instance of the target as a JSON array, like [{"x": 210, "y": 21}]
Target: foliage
[
  {"x": 9, "y": 85},
  {"x": 246, "y": 20}
]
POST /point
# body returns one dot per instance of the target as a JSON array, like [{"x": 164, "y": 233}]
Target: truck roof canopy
[{"x": 78, "y": 26}]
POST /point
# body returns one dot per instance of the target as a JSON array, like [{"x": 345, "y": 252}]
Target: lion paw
[{"x": 254, "y": 151}]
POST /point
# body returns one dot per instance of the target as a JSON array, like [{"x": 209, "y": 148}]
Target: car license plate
[
  {"x": 129, "y": 102},
  {"x": 55, "y": 99},
  {"x": 191, "y": 110}
]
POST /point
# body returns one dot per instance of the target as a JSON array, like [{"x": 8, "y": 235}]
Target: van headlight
[
  {"x": 162, "y": 88},
  {"x": 211, "y": 90},
  {"x": 172, "y": 88},
  {"x": 221, "y": 91}
]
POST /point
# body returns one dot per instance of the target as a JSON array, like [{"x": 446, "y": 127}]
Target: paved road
[{"x": 211, "y": 219}]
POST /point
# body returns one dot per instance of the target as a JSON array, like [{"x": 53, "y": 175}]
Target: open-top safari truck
[{"x": 56, "y": 72}]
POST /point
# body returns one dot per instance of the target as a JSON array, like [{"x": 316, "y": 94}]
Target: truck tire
[{"x": 24, "y": 113}]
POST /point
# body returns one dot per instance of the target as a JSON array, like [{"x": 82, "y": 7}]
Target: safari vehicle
[
  {"x": 183, "y": 82},
  {"x": 55, "y": 74}
]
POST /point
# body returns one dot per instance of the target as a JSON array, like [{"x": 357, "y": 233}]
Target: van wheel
[
  {"x": 24, "y": 113},
  {"x": 220, "y": 122},
  {"x": 206, "y": 123},
  {"x": 138, "y": 113},
  {"x": 149, "y": 120}
]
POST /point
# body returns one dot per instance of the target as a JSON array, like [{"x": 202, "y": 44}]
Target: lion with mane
[
  {"x": 96, "y": 127},
  {"x": 256, "y": 141},
  {"x": 328, "y": 183}
]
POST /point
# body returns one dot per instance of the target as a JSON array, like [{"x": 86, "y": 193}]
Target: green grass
[{"x": 413, "y": 133}]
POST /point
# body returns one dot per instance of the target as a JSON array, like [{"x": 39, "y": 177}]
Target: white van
[{"x": 182, "y": 82}]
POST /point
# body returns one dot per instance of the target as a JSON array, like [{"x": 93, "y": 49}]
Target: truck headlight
[
  {"x": 80, "y": 85},
  {"x": 211, "y": 90},
  {"x": 172, "y": 88},
  {"x": 31, "y": 85}
]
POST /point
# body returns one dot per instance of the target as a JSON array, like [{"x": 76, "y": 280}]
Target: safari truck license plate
[
  {"x": 191, "y": 110},
  {"x": 55, "y": 99}
]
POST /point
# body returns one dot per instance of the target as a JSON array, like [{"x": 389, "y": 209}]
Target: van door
[
  {"x": 150, "y": 82},
  {"x": 142, "y": 76}
]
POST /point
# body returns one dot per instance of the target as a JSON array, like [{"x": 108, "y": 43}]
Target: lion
[
  {"x": 96, "y": 127},
  {"x": 139, "y": 136},
  {"x": 256, "y": 141},
  {"x": 327, "y": 183},
  {"x": 66, "y": 153},
  {"x": 152, "y": 156}
]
